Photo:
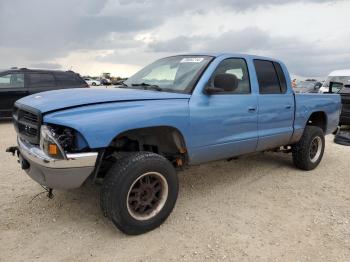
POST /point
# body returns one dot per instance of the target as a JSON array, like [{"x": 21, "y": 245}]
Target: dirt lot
[{"x": 257, "y": 208}]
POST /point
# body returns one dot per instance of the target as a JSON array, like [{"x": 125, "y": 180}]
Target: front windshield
[
  {"x": 176, "y": 73},
  {"x": 341, "y": 79}
]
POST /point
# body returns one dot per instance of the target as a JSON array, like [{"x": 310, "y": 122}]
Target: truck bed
[{"x": 308, "y": 103}]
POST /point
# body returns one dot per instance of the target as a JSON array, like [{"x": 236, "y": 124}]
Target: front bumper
[{"x": 66, "y": 173}]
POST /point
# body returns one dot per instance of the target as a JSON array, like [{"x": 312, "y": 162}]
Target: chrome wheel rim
[
  {"x": 315, "y": 149},
  {"x": 147, "y": 196}
]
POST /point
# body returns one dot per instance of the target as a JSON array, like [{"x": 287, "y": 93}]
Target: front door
[
  {"x": 276, "y": 106},
  {"x": 12, "y": 88},
  {"x": 224, "y": 124}
]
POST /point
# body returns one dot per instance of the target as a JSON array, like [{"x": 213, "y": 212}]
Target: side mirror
[
  {"x": 212, "y": 90},
  {"x": 227, "y": 82},
  {"x": 222, "y": 83},
  {"x": 335, "y": 87}
]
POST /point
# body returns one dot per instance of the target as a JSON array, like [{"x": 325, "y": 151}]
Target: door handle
[
  {"x": 288, "y": 106},
  {"x": 251, "y": 109}
]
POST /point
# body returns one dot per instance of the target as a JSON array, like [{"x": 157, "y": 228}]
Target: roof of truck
[{"x": 217, "y": 54}]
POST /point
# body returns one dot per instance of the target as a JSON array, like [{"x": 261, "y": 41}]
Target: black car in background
[
  {"x": 345, "y": 100},
  {"x": 17, "y": 83},
  {"x": 307, "y": 86}
]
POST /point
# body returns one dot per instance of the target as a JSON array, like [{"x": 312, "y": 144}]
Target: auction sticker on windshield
[{"x": 192, "y": 60}]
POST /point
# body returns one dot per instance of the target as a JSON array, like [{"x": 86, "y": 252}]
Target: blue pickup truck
[{"x": 178, "y": 111}]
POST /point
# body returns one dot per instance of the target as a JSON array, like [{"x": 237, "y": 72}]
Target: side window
[
  {"x": 66, "y": 79},
  {"x": 12, "y": 80},
  {"x": 267, "y": 77},
  {"x": 281, "y": 77},
  {"x": 41, "y": 79},
  {"x": 238, "y": 68}
]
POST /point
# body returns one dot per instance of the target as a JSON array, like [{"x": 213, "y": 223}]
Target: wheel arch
[
  {"x": 165, "y": 140},
  {"x": 318, "y": 118}
]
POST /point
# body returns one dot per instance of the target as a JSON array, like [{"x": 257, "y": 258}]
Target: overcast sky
[{"x": 93, "y": 36}]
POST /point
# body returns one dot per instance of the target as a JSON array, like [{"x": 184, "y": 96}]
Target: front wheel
[
  {"x": 308, "y": 152},
  {"x": 139, "y": 192}
]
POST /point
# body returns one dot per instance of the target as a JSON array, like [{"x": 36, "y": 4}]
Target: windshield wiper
[{"x": 148, "y": 86}]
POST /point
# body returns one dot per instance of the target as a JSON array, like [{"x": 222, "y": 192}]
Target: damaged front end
[{"x": 54, "y": 156}]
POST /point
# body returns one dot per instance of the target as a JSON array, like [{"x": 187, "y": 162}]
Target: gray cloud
[
  {"x": 52, "y": 66},
  {"x": 177, "y": 44},
  {"x": 242, "y": 5},
  {"x": 302, "y": 58},
  {"x": 39, "y": 31}
]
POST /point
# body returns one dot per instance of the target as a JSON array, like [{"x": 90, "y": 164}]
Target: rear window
[
  {"x": 64, "y": 79},
  {"x": 270, "y": 77},
  {"x": 281, "y": 77},
  {"x": 41, "y": 79}
]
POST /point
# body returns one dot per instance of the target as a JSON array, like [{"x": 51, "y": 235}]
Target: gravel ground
[{"x": 256, "y": 208}]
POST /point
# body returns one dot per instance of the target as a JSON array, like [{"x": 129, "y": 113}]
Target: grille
[
  {"x": 27, "y": 123},
  {"x": 30, "y": 117}
]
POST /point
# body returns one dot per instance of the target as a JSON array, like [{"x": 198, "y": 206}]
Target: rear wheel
[
  {"x": 139, "y": 192},
  {"x": 308, "y": 152},
  {"x": 93, "y": 83}
]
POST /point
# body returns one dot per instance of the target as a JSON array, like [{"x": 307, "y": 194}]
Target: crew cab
[{"x": 178, "y": 111}]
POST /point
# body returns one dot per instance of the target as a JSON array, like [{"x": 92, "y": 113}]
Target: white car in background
[
  {"x": 92, "y": 82},
  {"x": 340, "y": 76}
]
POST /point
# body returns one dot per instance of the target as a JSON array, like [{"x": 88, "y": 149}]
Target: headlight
[{"x": 49, "y": 144}]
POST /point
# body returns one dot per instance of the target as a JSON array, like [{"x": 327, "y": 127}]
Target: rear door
[
  {"x": 12, "y": 88},
  {"x": 276, "y": 106},
  {"x": 41, "y": 81}
]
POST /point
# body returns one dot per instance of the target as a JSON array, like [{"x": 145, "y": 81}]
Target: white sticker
[{"x": 192, "y": 60}]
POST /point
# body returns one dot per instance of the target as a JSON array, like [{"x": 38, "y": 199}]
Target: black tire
[
  {"x": 115, "y": 160},
  {"x": 119, "y": 183},
  {"x": 93, "y": 83},
  {"x": 305, "y": 154}
]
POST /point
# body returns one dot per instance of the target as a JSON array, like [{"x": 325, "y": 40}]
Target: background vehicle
[
  {"x": 308, "y": 86},
  {"x": 345, "y": 100},
  {"x": 177, "y": 111},
  {"x": 17, "y": 83},
  {"x": 92, "y": 82},
  {"x": 340, "y": 76},
  {"x": 118, "y": 81},
  {"x": 105, "y": 82}
]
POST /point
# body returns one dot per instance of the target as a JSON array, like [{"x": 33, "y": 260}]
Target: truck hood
[{"x": 67, "y": 98}]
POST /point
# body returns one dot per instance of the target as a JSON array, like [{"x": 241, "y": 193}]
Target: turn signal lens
[{"x": 53, "y": 150}]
